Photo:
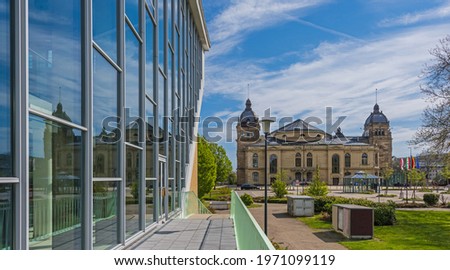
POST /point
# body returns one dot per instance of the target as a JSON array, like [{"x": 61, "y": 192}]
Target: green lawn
[{"x": 414, "y": 230}]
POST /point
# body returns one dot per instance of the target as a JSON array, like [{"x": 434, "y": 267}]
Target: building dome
[
  {"x": 376, "y": 117},
  {"x": 248, "y": 117}
]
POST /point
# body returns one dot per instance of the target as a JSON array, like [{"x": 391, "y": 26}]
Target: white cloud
[
  {"x": 243, "y": 16},
  {"x": 440, "y": 12},
  {"x": 343, "y": 75}
]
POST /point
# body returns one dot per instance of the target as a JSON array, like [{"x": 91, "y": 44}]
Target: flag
[
  {"x": 408, "y": 162},
  {"x": 402, "y": 164},
  {"x": 413, "y": 163},
  {"x": 417, "y": 163}
]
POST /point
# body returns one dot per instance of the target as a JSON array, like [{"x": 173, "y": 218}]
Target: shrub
[
  {"x": 317, "y": 188},
  {"x": 384, "y": 214},
  {"x": 279, "y": 188},
  {"x": 276, "y": 200},
  {"x": 247, "y": 199},
  {"x": 430, "y": 199}
]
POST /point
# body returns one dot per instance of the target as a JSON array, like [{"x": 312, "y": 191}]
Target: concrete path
[
  {"x": 293, "y": 234},
  {"x": 199, "y": 232}
]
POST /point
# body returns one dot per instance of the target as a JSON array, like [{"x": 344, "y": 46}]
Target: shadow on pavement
[{"x": 330, "y": 236}]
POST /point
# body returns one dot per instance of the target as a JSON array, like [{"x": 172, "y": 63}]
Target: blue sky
[{"x": 301, "y": 56}]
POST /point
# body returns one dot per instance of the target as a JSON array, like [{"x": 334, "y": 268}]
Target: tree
[
  {"x": 317, "y": 187},
  {"x": 279, "y": 185},
  {"x": 206, "y": 168},
  {"x": 387, "y": 173},
  {"x": 223, "y": 163},
  {"x": 435, "y": 128},
  {"x": 416, "y": 178},
  {"x": 232, "y": 178}
]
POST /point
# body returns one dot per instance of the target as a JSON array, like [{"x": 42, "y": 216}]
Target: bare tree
[{"x": 435, "y": 129}]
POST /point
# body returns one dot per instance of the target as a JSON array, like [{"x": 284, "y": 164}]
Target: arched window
[
  {"x": 348, "y": 160},
  {"x": 376, "y": 159},
  {"x": 298, "y": 160},
  {"x": 309, "y": 161},
  {"x": 364, "y": 160},
  {"x": 273, "y": 163},
  {"x": 255, "y": 160},
  {"x": 298, "y": 176},
  {"x": 335, "y": 163},
  {"x": 255, "y": 177},
  {"x": 69, "y": 159}
]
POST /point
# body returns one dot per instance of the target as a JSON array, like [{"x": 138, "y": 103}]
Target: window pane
[
  {"x": 106, "y": 132},
  {"x": 132, "y": 87},
  {"x": 162, "y": 41},
  {"x": 161, "y": 115},
  {"x": 55, "y": 58},
  {"x": 132, "y": 191},
  {"x": 150, "y": 120},
  {"x": 6, "y": 216},
  {"x": 149, "y": 56},
  {"x": 55, "y": 187},
  {"x": 104, "y": 17},
  {"x": 132, "y": 11},
  {"x": 150, "y": 190},
  {"x": 5, "y": 93},
  {"x": 105, "y": 207}
]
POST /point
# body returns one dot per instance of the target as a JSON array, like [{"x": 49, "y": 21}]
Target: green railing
[
  {"x": 191, "y": 205},
  {"x": 249, "y": 235}
]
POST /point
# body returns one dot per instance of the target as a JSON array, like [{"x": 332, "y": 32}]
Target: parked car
[{"x": 248, "y": 186}]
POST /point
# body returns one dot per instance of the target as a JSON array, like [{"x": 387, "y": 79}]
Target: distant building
[{"x": 299, "y": 148}]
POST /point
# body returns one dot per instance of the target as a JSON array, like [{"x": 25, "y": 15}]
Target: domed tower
[
  {"x": 248, "y": 130},
  {"x": 377, "y": 131}
]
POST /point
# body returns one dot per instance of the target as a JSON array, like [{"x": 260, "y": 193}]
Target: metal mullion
[
  {"x": 133, "y": 146},
  {"x": 165, "y": 120},
  {"x": 56, "y": 119},
  {"x": 87, "y": 139},
  {"x": 106, "y": 179},
  {"x": 106, "y": 56},
  {"x": 156, "y": 111},
  {"x": 121, "y": 107},
  {"x": 9, "y": 180},
  {"x": 136, "y": 34},
  {"x": 20, "y": 125},
  {"x": 143, "y": 128}
]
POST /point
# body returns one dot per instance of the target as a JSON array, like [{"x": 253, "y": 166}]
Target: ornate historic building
[{"x": 299, "y": 148}]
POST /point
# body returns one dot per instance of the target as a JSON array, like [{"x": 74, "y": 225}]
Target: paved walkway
[
  {"x": 199, "y": 232},
  {"x": 293, "y": 234}
]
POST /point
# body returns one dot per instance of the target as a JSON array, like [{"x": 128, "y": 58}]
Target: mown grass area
[
  {"x": 414, "y": 230},
  {"x": 219, "y": 194}
]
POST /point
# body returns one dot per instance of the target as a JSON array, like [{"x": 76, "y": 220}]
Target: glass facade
[
  {"x": 107, "y": 112},
  {"x": 5, "y": 92}
]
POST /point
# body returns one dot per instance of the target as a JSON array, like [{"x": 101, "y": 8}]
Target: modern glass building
[{"x": 98, "y": 101}]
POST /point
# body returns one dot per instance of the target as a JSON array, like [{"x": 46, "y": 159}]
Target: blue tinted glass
[
  {"x": 104, "y": 15},
  {"x": 132, "y": 11},
  {"x": 55, "y": 185},
  {"x": 169, "y": 20},
  {"x": 105, "y": 129},
  {"x": 5, "y": 92},
  {"x": 132, "y": 86},
  {"x": 160, "y": 101},
  {"x": 162, "y": 41},
  {"x": 6, "y": 216},
  {"x": 170, "y": 85},
  {"x": 55, "y": 58},
  {"x": 105, "y": 207},
  {"x": 149, "y": 56}
]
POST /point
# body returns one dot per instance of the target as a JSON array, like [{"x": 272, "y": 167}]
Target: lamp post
[{"x": 266, "y": 121}]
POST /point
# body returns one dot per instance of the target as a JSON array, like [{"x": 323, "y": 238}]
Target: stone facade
[{"x": 298, "y": 149}]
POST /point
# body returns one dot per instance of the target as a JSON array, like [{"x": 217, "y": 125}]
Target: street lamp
[{"x": 266, "y": 121}]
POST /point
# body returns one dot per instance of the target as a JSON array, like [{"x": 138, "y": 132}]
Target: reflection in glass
[
  {"x": 150, "y": 191},
  {"x": 161, "y": 118},
  {"x": 6, "y": 216},
  {"x": 149, "y": 56},
  {"x": 150, "y": 122},
  {"x": 132, "y": 192},
  {"x": 5, "y": 93},
  {"x": 105, "y": 214},
  {"x": 161, "y": 39},
  {"x": 132, "y": 87},
  {"x": 55, "y": 57},
  {"x": 105, "y": 129},
  {"x": 132, "y": 12},
  {"x": 55, "y": 190},
  {"x": 104, "y": 17}
]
